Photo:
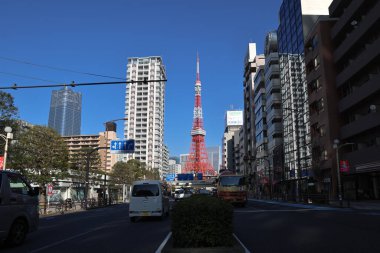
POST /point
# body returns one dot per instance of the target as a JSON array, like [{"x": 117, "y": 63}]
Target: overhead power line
[
  {"x": 59, "y": 69},
  {"x": 27, "y": 77},
  {"x": 15, "y": 86}
]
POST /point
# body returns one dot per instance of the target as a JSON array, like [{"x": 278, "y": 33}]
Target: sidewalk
[{"x": 334, "y": 205}]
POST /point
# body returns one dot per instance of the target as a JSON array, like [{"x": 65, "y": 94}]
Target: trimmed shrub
[{"x": 202, "y": 221}]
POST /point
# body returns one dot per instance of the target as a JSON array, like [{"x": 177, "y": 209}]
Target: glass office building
[
  {"x": 65, "y": 111},
  {"x": 297, "y": 17}
]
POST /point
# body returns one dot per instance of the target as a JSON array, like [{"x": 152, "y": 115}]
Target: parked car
[{"x": 18, "y": 207}]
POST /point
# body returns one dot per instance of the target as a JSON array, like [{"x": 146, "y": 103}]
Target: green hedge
[{"x": 202, "y": 221}]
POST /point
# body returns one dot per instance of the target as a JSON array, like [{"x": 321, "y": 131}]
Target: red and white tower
[{"x": 198, "y": 160}]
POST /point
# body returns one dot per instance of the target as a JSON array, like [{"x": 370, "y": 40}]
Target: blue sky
[{"x": 96, "y": 36}]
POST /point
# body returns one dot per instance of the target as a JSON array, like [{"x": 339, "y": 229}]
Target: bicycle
[{"x": 59, "y": 208}]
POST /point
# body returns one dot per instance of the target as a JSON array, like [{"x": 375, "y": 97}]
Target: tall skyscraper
[
  {"x": 297, "y": 18},
  {"x": 65, "y": 111},
  {"x": 144, "y": 108}
]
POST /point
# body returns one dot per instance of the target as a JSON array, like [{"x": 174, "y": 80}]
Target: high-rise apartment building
[
  {"x": 273, "y": 110},
  {"x": 297, "y": 18},
  {"x": 356, "y": 40},
  {"x": 144, "y": 108},
  {"x": 250, "y": 68},
  {"x": 65, "y": 111},
  {"x": 261, "y": 136},
  {"x": 165, "y": 161}
]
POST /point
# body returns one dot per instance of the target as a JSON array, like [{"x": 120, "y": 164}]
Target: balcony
[
  {"x": 346, "y": 15},
  {"x": 273, "y": 98},
  {"x": 368, "y": 55},
  {"x": 363, "y": 160},
  {"x": 360, "y": 125},
  {"x": 275, "y": 142},
  {"x": 272, "y": 84},
  {"x": 273, "y": 69},
  {"x": 275, "y": 128},
  {"x": 361, "y": 93},
  {"x": 274, "y": 113}
]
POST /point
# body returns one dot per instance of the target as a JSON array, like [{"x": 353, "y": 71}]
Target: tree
[
  {"x": 78, "y": 164},
  {"x": 153, "y": 174},
  {"x": 41, "y": 155},
  {"x": 120, "y": 173},
  {"x": 8, "y": 114},
  {"x": 126, "y": 173},
  {"x": 7, "y": 108}
]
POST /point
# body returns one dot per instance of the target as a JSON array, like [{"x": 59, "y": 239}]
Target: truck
[{"x": 232, "y": 188}]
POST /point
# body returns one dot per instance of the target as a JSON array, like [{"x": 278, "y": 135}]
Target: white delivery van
[
  {"x": 18, "y": 207},
  {"x": 148, "y": 198}
]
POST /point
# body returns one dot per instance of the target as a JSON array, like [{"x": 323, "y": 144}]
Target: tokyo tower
[{"x": 198, "y": 160}]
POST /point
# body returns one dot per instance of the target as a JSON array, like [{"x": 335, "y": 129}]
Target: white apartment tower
[{"x": 144, "y": 108}]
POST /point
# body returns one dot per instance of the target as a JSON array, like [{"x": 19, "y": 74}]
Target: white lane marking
[
  {"x": 285, "y": 210},
  {"x": 67, "y": 239},
  {"x": 163, "y": 243},
  {"x": 245, "y": 249}
]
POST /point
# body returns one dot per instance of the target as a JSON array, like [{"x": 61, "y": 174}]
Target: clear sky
[{"x": 97, "y": 36}]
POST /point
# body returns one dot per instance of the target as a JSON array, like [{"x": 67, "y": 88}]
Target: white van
[
  {"x": 18, "y": 207},
  {"x": 148, "y": 198}
]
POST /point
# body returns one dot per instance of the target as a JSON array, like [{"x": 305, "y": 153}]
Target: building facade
[
  {"x": 65, "y": 111},
  {"x": 356, "y": 39},
  {"x": 297, "y": 18},
  {"x": 323, "y": 97},
  {"x": 273, "y": 111},
  {"x": 76, "y": 143},
  {"x": 144, "y": 108},
  {"x": 213, "y": 154},
  {"x": 261, "y": 135},
  {"x": 250, "y": 68},
  {"x": 165, "y": 162},
  {"x": 233, "y": 123}
]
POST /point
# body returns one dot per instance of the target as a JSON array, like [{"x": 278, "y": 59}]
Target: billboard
[{"x": 234, "y": 118}]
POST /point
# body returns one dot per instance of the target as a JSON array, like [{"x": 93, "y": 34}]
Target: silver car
[{"x": 18, "y": 208}]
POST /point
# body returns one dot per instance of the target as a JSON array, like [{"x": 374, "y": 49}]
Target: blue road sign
[
  {"x": 185, "y": 177},
  {"x": 122, "y": 146},
  {"x": 170, "y": 177}
]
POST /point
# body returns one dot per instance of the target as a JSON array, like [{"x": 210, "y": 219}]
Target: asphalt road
[
  {"x": 266, "y": 227},
  {"x": 100, "y": 230},
  {"x": 262, "y": 227}
]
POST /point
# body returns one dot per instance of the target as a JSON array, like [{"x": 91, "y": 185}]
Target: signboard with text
[
  {"x": 170, "y": 177},
  {"x": 234, "y": 118},
  {"x": 1, "y": 162},
  {"x": 344, "y": 166},
  {"x": 49, "y": 189},
  {"x": 122, "y": 146}
]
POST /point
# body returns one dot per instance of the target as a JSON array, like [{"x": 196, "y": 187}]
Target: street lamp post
[
  {"x": 336, "y": 146},
  {"x": 88, "y": 157},
  {"x": 9, "y": 135},
  {"x": 105, "y": 161},
  {"x": 299, "y": 171},
  {"x": 248, "y": 158},
  {"x": 270, "y": 178}
]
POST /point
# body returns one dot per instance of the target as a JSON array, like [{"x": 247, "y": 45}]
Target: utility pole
[{"x": 88, "y": 156}]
